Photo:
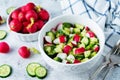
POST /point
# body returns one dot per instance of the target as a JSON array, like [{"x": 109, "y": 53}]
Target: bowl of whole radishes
[
  {"x": 71, "y": 43},
  {"x": 26, "y": 21}
]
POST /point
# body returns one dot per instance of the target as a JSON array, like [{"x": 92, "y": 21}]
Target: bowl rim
[{"x": 59, "y": 63}]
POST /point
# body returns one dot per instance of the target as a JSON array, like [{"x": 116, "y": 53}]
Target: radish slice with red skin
[
  {"x": 74, "y": 43},
  {"x": 62, "y": 38},
  {"x": 76, "y": 61},
  {"x": 90, "y": 34},
  {"x": 48, "y": 39},
  {"x": 79, "y": 50},
  {"x": 76, "y": 38},
  {"x": 67, "y": 49},
  {"x": 96, "y": 48}
]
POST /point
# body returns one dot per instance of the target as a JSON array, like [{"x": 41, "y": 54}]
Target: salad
[{"x": 71, "y": 43}]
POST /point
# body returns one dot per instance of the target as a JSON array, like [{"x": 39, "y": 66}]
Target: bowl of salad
[
  {"x": 27, "y": 20},
  {"x": 71, "y": 43}
]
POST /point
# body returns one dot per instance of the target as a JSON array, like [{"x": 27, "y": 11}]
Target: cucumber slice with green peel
[
  {"x": 58, "y": 59},
  {"x": 5, "y": 71},
  {"x": 51, "y": 34},
  {"x": 85, "y": 40},
  {"x": 10, "y": 9},
  {"x": 31, "y": 68},
  {"x": 2, "y": 34},
  {"x": 41, "y": 72},
  {"x": 79, "y": 26}
]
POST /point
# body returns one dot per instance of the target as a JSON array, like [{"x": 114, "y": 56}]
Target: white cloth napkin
[{"x": 105, "y": 12}]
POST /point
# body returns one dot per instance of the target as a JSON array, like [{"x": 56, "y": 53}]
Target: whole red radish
[
  {"x": 27, "y": 7},
  {"x": 39, "y": 24},
  {"x": 24, "y": 52},
  {"x": 15, "y": 13},
  {"x": 44, "y": 15},
  {"x": 32, "y": 28},
  {"x": 4, "y": 47},
  {"x": 21, "y": 16},
  {"x": 31, "y": 15},
  {"x": 15, "y": 25}
]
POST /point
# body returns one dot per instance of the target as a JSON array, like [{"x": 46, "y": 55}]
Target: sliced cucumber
[
  {"x": 10, "y": 9},
  {"x": 31, "y": 68},
  {"x": 51, "y": 34},
  {"x": 87, "y": 53},
  {"x": 79, "y": 26},
  {"x": 41, "y": 72},
  {"x": 5, "y": 70},
  {"x": 85, "y": 40},
  {"x": 2, "y": 34},
  {"x": 58, "y": 59}
]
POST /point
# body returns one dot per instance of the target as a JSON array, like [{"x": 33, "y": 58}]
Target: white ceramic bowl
[
  {"x": 72, "y": 68},
  {"x": 24, "y": 37}
]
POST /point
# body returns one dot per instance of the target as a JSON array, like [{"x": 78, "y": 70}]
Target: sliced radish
[
  {"x": 59, "y": 26},
  {"x": 63, "y": 56},
  {"x": 90, "y": 34},
  {"x": 87, "y": 28},
  {"x": 62, "y": 38},
  {"x": 79, "y": 50},
  {"x": 67, "y": 49},
  {"x": 56, "y": 41},
  {"x": 71, "y": 29},
  {"x": 76, "y": 38},
  {"x": 48, "y": 39},
  {"x": 74, "y": 43},
  {"x": 76, "y": 61},
  {"x": 64, "y": 61},
  {"x": 53, "y": 29},
  {"x": 96, "y": 48}
]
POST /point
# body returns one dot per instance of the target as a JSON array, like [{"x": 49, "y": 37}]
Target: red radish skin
[
  {"x": 14, "y": 14},
  {"x": 87, "y": 28},
  {"x": 76, "y": 61},
  {"x": 32, "y": 28},
  {"x": 31, "y": 15},
  {"x": 79, "y": 50},
  {"x": 24, "y": 52},
  {"x": 39, "y": 24},
  {"x": 15, "y": 25},
  {"x": 44, "y": 15},
  {"x": 96, "y": 48},
  {"x": 76, "y": 38},
  {"x": 4, "y": 47},
  {"x": 67, "y": 49},
  {"x": 62, "y": 38},
  {"x": 29, "y": 6},
  {"x": 21, "y": 16},
  {"x": 90, "y": 34}
]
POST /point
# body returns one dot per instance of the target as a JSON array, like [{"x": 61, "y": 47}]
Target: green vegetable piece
[
  {"x": 84, "y": 60},
  {"x": 31, "y": 68},
  {"x": 34, "y": 50},
  {"x": 3, "y": 34},
  {"x": 66, "y": 24},
  {"x": 58, "y": 59},
  {"x": 51, "y": 34},
  {"x": 10, "y": 9},
  {"x": 76, "y": 30},
  {"x": 85, "y": 40},
  {"x": 79, "y": 26},
  {"x": 87, "y": 53},
  {"x": 5, "y": 70},
  {"x": 41, "y": 72},
  {"x": 93, "y": 54}
]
